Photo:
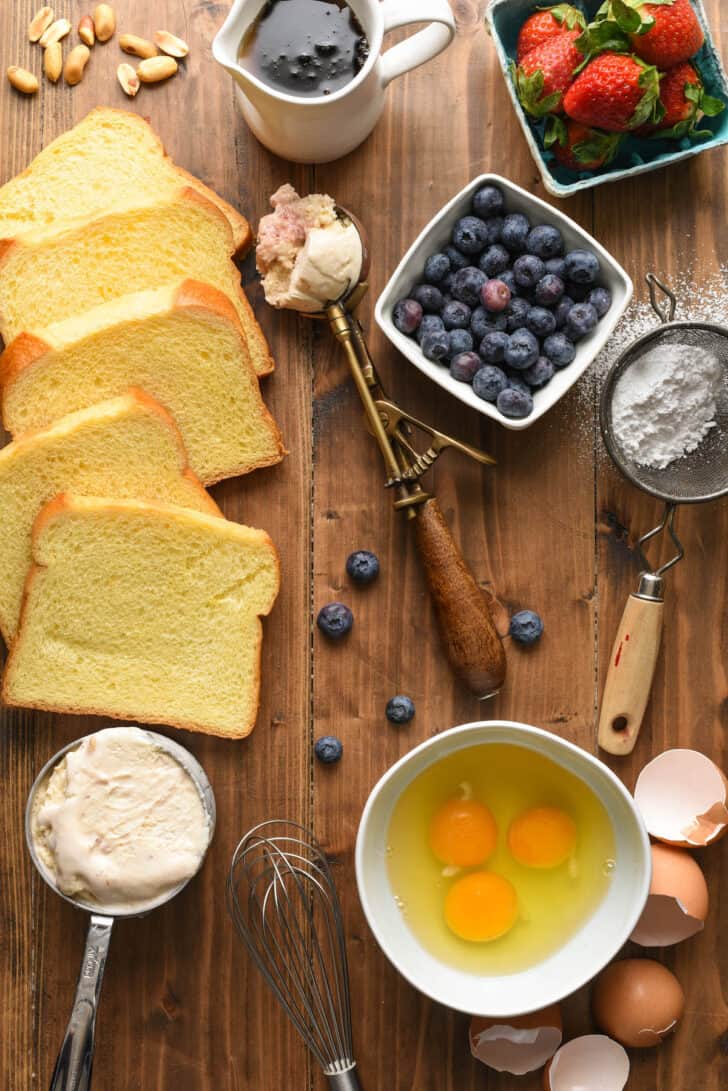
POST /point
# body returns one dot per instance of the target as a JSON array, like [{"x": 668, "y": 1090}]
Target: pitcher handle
[{"x": 424, "y": 45}]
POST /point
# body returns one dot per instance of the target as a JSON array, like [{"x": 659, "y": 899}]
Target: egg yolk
[
  {"x": 543, "y": 837},
  {"x": 463, "y": 833},
  {"x": 481, "y": 906}
]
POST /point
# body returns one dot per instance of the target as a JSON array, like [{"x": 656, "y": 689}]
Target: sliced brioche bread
[
  {"x": 147, "y": 612},
  {"x": 46, "y": 278},
  {"x": 126, "y": 447},
  {"x": 182, "y": 344},
  {"x": 111, "y": 159}
]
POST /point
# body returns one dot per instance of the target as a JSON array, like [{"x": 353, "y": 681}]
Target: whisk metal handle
[
  {"x": 345, "y": 1081},
  {"x": 665, "y": 312}
]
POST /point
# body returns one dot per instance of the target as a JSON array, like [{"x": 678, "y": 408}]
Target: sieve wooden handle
[{"x": 631, "y": 671}]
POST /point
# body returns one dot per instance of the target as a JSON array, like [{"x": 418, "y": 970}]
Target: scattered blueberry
[
  {"x": 400, "y": 709},
  {"x": 545, "y": 241},
  {"x": 514, "y": 403},
  {"x": 489, "y": 382},
  {"x": 528, "y": 270},
  {"x": 362, "y": 566},
  {"x": 488, "y": 201},
  {"x": 557, "y": 267},
  {"x": 437, "y": 267},
  {"x": 429, "y": 298},
  {"x": 493, "y": 346},
  {"x": 514, "y": 232},
  {"x": 328, "y": 749},
  {"x": 466, "y": 285},
  {"x": 456, "y": 259},
  {"x": 456, "y": 315},
  {"x": 335, "y": 620},
  {"x": 431, "y": 323},
  {"x": 522, "y": 349},
  {"x": 581, "y": 321},
  {"x": 494, "y": 260},
  {"x": 526, "y": 627},
  {"x": 470, "y": 235},
  {"x": 582, "y": 266},
  {"x": 460, "y": 341},
  {"x": 549, "y": 290},
  {"x": 540, "y": 321},
  {"x": 436, "y": 346},
  {"x": 518, "y": 308},
  {"x": 601, "y": 300},
  {"x": 495, "y": 296},
  {"x": 464, "y": 366},
  {"x": 559, "y": 349},
  {"x": 538, "y": 374},
  {"x": 407, "y": 315},
  {"x": 562, "y": 311}
]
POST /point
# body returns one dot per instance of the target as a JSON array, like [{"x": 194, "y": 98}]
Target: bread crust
[{"x": 22, "y": 352}]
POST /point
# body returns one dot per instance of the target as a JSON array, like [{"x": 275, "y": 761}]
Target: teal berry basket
[{"x": 637, "y": 156}]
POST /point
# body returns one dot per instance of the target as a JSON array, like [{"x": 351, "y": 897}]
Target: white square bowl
[{"x": 436, "y": 235}]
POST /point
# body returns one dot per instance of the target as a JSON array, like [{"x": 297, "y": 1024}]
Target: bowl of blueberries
[{"x": 503, "y": 301}]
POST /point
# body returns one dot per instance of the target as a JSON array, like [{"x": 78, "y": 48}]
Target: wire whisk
[{"x": 283, "y": 902}]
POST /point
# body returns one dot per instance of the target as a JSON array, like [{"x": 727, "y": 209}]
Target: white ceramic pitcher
[{"x": 317, "y": 130}]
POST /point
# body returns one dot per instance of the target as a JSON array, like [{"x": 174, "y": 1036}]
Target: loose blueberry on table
[
  {"x": 328, "y": 749},
  {"x": 526, "y": 627},
  {"x": 400, "y": 709},
  {"x": 503, "y": 305},
  {"x": 335, "y": 620},
  {"x": 362, "y": 566}
]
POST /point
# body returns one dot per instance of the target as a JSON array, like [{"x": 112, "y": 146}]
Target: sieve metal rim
[{"x": 606, "y": 401}]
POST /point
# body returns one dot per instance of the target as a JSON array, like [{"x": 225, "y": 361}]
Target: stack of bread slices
[{"x": 129, "y": 381}]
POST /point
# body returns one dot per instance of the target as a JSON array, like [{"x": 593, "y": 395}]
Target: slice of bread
[
  {"x": 111, "y": 159},
  {"x": 147, "y": 612},
  {"x": 46, "y": 278},
  {"x": 182, "y": 344},
  {"x": 127, "y": 447}
]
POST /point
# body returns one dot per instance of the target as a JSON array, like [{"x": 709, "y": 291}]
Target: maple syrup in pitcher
[{"x": 305, "y": 47}]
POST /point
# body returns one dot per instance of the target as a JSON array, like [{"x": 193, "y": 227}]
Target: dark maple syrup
[{"x": 305, "y": 47}]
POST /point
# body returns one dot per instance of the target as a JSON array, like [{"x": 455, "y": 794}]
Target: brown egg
[
  {"x": 517, "y": 1045},
  {"x": 637, "y": 1001},
  {"x": 678, "y": 900}
]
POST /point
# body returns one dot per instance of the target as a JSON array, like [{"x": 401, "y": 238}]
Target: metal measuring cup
[{"x": 73, "y": 1067}]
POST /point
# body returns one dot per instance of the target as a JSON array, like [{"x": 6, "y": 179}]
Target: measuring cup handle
[
  {"x": 76, "y": 1056},
  {"x": 421, "y": 47},
  {"x": 631, "y": 671}
]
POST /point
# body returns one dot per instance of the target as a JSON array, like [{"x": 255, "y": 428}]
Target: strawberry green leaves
[{"x": 530, "y": 90}]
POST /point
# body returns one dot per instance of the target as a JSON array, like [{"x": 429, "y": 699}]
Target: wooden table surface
[{"x": 552, "y": 527}]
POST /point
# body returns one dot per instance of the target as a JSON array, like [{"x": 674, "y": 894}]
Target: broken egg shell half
[
  {"x": 677, "y": 904},
  {"x": 517, "y": 1045},
  {"x": 683, "y": 798},
  {"x": 590, "y": 1063},
  {"x": 638, "y": 1002}
]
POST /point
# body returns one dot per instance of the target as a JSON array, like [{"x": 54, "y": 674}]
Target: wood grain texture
[{"x": 552, "y": 526}]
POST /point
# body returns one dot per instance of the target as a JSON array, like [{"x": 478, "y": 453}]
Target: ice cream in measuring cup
[{"x": 308, "y": 255}]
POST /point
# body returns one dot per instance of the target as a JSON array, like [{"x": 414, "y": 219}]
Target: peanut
[
  {"x": 86, "y": 31},
  {"x": 104, "y": 21},
  {"x": 53, "y": 61},
  {"x": 156, "y": 69},
  {"x": 76, "y": 61},
  {"x": 40, "y": 23},
  {"x": 55, "y": 32},
  {"x": 169, "y": 44},
  {"x": 140, "y": 47},
  {"x": 23, "y": 80},
  {"x": 128, "y": 79}
]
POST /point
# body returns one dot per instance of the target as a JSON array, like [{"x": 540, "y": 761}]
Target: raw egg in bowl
[{"x": 500, "y": 867}]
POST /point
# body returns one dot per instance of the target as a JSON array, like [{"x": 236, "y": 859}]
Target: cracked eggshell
[
  {"x": 683, "y": 798},
  {"x": 518, "y": 1045},
  {"x": 591, "y": 1063},
  {"x": 637, "y": 1001},
  {"x": 677, "y": 904}
]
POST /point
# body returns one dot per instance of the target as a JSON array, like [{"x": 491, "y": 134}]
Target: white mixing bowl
[{"x": 570, "y": 967}]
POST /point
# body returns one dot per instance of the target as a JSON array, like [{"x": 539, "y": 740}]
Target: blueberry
[
  {"x": 470, "y": 235},
  {"x": 578, "y": 292},
  {"x": 545, "y": 241},
  {"x": 400, "y": 709},
  {"x": 456, "y": 315},
  {"x": 526, "y": 627},
  {"x": 515, "y": 382},
  {"x": 460, "y": 341},
  {"x": 493, "y": 345},
  {"x": 515, "y": 231},
  {"x": 538, "y": 374},
  {"x": 494, "y": 260},
  {"x": 429, "y": 298},
  {"x": 540, "y": 321},
  {"x": 515, "y": 404},
  {"x": 436, "y": 346},
  {"x": 495, "y": 296},
  {"x": 601, "y": 300},
  {"x": 431, "y": 323},
  {"x": 509, "y": 279},
  {"x": 518, "y": 308},
  {"x": 521, "y": 350},
  {"x": 559, "y": 349},
  {"x": 407, "y": 315},
  {"x": 549, "y": 290},
  {"x": 328, "y": 749},
  {"x": 445, "y": 287},
  {"x": 562, "y": 311},
  {"x": 493, "y": 229},
  {"x": 488, "y": 201},
  {"x": 362, "y": 566},
  {"x": 582, "y": 266},
  {"x": 464, "y": 366},
  {"x": 483, "y": 322},
  {"x": 456, "y": 259},
  {"x": 528, "y": 270},
  {"x": 488, "y": 382},
  {"x": 335, "y": 620},
  {"x": 437, "y": 267},
  {"x": 581, "y": 321},
  {"x": 467, "y": 283},
  {"x": 557, "y": 267}
]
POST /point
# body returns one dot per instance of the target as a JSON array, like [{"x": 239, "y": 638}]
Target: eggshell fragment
[
  {"x": 591, "y": 1063},
  {"x": 518, "y": 1045},
  {"x": 677, "y": 904},
  {"x": 637, "y": 1001},
  {"x": 683, "y": 798}
]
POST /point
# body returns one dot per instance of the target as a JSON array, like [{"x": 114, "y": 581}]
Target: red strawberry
[
  {"x": 615, "y": 92},
  {"x": 581, "y": 148},
  {"x": 675, "y": 35},
  {"x": 684, "y": 99},
  {"x": 546, "y": 72},
  {"x": 547, "y": 23}
]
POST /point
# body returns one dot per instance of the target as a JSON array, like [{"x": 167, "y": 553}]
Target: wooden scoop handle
[
  {"x": 472, "y": 644},
  {"x": 629, "y": 678}
]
